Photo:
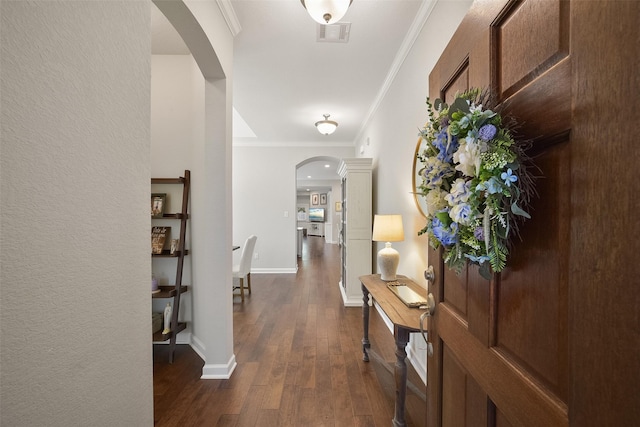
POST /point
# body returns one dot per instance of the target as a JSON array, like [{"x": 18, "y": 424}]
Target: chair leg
[
  {"x": 242, "y": 289},
  {"x": 249, "y": 282}
]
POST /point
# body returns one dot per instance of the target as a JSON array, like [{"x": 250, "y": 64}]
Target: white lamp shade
[
  {"x": 326, "y": 11},
  {"x": 388, "y": 228}
]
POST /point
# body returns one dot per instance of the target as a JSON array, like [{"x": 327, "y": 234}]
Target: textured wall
[{"x": 75, "y": 268}]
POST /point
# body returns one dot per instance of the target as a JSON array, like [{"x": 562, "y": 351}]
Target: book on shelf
[{"x": 159, "y": 237}]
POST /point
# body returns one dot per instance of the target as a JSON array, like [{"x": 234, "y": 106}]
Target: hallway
[{"x": 299, "y": 360}]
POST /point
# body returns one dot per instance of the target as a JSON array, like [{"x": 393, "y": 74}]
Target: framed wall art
[{"x": 158, "y": 201}]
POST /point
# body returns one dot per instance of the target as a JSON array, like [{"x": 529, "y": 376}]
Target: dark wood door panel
[
  {"x": 464, "y": 401},
  {"x": 521, "y": 399},
  {"x": 454, "y": 399},
  {"x": 543, "y": 107},
  {"x": 501, "y": 420},
  {"x": 457, "y": 83},
  {"x": 529, "y": 38},
  {"x": 532, "y": 298},
  {"x": 455, "y": 290}
]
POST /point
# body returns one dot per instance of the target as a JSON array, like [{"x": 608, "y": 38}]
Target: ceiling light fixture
[
  {"x": 326, "y": 126},
  {"x": 326, "y": 11}
]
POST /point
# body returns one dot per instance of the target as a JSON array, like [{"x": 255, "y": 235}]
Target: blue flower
[
  {"x": 508, "y": 177},
  {"x": 472, "y": 136},
  {"x": 477, "y": 259},
  {"x": 444, "y": 147},
  {"x": 434, "y": 172},
  {"x": 487, "y": 132},
  {"x": 493, "y": 186},
  {"x": 478, "y": 233},
  {"x": 464, "y": 122},
  {"x": 446, "y": 235}
]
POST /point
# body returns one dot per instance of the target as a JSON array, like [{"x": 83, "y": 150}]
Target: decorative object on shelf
[
  {"x": 326, "y": 126},
  {"x": 158, "y": 200},
  {"x": 314, "y": 199},
  {"x": 174, "y": 246},
  {"x": 323, "y": 198},
  {"x": 326, "y": 11},
  {"x": 154, "y": 285},
  {"x": 388, "y": 228},
  {"x": 159, "y": 236},
  {"x": 476, "y": 180},
  {"x": 338, "y": 206},
  {"x": 167, "y": 319}
]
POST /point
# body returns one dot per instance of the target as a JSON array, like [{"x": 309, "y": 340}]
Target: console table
[{"x": 405, "y": 321}]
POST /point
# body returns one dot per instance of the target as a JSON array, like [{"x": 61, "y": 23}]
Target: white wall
[
  {"x": 74, "y": 254},
  {"x": 264, "y": 188},
  {"x": 393, "y": 135}
]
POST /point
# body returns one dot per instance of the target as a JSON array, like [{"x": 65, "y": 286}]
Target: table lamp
[{"x": 388, "y": 228}]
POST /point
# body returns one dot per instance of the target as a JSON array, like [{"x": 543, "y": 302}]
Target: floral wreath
[{"x": 475, "y": 182}]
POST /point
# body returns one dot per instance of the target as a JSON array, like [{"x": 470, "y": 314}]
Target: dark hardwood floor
[{"x": 299, "y": 359}]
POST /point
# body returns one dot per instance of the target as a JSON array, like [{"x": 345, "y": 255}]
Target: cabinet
[
  {"x": 356, "y": 227},
  {"x": 316, "y": 229},
  {"x": 172, "y": 293}
]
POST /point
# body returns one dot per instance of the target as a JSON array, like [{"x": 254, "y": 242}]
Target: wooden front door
[{"x": 554, "y": 339}]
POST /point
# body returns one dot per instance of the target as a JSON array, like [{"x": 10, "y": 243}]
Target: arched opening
[
  {"x": 317, "y": 191},
  {"x": 204, "y": 148}
]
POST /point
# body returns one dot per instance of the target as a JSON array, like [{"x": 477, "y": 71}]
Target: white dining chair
[{"x": 242, "y": 271}]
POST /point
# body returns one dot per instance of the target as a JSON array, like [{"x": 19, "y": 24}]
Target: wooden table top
[{"x": 397, "y": 311}]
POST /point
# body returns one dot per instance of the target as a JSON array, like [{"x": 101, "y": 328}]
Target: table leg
[
  {"x": 365, "y": 323},
  {"x": 402, "y": 338}
]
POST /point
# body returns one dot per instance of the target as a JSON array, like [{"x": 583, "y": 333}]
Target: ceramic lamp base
[{"x": 388, "y": 260}]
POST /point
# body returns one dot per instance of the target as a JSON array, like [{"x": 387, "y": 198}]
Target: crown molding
[{"x": 230, "y": 16}]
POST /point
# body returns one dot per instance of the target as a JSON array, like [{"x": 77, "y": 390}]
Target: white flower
[
  {"x": 468, "y": 157},
  {"x": 461, "y": 214},
  {"x": 459, "y": 192},
  {"x": 435, "y": 201}
]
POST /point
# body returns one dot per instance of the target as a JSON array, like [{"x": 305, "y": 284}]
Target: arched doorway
[{"x": 317, "y": 191}]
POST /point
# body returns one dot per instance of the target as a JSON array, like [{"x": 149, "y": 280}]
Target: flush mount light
[
  {"x": 326, "y": 11},
  {"x": 326, "y": 126}
]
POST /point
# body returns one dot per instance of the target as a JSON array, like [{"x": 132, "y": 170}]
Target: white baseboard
[
  {"x": 292, "y": 270},
  {"x": 219, "y": 372},
  {"x": 213, "y": 371},
  {"x": 349, "y": 302}
]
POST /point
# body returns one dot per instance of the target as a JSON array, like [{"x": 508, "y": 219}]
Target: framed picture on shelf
[
  {"x": 314, "y": 199},
  {"x": 323, "y": 198},
  {"x": 158, "y": 201}
]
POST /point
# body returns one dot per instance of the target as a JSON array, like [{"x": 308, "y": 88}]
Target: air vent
[{"x": 334, "y": 33}]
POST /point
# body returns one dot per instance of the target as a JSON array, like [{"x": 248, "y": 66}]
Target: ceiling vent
[{"x": 334, "y": 33}]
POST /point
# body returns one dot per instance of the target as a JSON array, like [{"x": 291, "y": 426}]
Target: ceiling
[{"x": 284, "y": 80}]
